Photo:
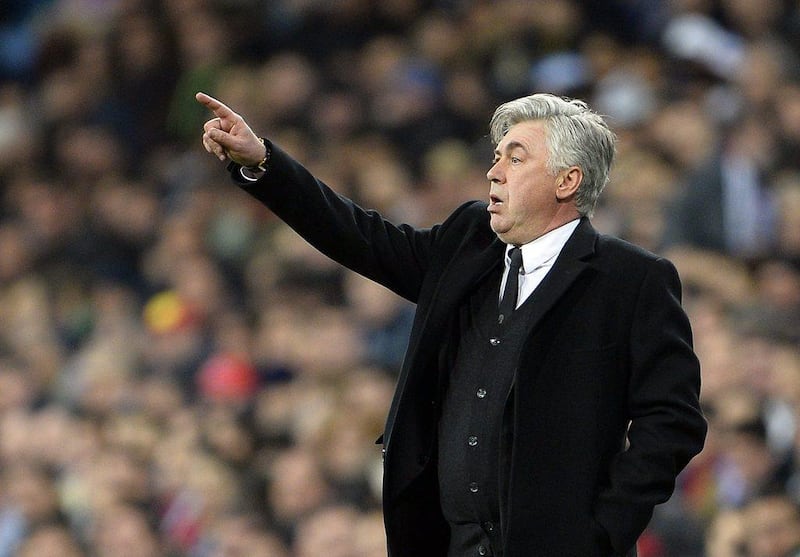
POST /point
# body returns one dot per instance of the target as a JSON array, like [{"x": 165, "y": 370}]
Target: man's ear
[{"x": 569, "y": 180}]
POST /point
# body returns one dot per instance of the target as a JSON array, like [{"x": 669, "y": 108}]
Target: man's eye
[{"x": 515, "y": 160}]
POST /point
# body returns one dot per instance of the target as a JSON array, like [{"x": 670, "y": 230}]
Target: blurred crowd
[{"x": 181, "y": 376}]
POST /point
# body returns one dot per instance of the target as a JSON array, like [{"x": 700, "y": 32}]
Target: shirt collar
[{"x": 544, "y": 249}]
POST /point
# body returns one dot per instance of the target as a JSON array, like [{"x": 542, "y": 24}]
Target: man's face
[
  {"x": 772, "y": 527},
  {"x": 522, "y": 193}
]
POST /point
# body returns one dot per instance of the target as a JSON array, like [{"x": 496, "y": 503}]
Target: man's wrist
[
  {"x": 262, "y": 165},
  {"x": 243, "y": 175}
]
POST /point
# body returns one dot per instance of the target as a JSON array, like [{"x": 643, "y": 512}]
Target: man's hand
[{"x": 229, "y": 136}]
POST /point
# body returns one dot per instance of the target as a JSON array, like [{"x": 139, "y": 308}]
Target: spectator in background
[
  {"x": 728, "y": 205},
  {"x": 50, "y": 541},
  {"x": 725, "y": 535},
  {"x": 772, "y": 527}
]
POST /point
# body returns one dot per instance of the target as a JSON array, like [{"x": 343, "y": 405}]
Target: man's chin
[
  {"x": 503, "y": 235},
  {"x": 498, "y": 227}
]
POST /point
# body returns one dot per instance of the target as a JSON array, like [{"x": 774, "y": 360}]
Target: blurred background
[{"x": 180, "y": 375}]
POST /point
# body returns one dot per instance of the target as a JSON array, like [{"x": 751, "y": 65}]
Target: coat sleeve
[
  {"x": 396, "y": 256},
  {"x": 667, "y": 427}
]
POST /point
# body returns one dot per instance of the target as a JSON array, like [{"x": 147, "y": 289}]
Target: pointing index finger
[{"x": 217, "y": 107}]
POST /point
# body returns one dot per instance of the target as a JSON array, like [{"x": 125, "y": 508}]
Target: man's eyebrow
[{"x": 510, "y": 146}]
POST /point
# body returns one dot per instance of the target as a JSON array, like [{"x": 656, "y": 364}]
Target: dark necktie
[{"x": 509, "y": 301}]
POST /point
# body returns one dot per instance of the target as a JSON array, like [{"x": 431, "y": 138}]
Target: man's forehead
[{"x": 522, "y": 135}]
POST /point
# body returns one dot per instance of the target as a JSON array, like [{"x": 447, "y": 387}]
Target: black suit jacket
[{"x": 605, "y": 409}]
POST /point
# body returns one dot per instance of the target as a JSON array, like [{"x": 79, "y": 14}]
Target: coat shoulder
[
  {"x": 468, "y": 215},
  {"x": 469, "y": 220},
  {"x": 621, "y": 258},
  {"x": 611, "y": 245},
  {"x": 619, "y": 252}
]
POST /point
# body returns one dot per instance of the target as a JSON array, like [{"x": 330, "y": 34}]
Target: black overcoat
[{"x": 604, "y": 408}]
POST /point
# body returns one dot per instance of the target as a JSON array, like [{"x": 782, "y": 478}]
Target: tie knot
[{"x": 515, "y": 254}]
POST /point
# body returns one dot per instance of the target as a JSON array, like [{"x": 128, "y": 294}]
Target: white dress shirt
[{"x": 538, "y": 257}]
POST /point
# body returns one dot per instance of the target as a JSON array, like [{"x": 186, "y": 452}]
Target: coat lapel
[
  {"x": 464, "y": 276},
  {"x": 571, "y": 262},
  {"x": 467, "y": 270},
  {"x": 477, "y": 257}
]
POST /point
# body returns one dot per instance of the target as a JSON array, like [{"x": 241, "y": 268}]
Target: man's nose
[{"x": 494, "y": 173}]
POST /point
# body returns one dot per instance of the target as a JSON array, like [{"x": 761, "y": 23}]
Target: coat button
[
  {"x": 494, "y": 341},
  {"x": 473, "y": 487},
  {"x": 480, "y": 393},
  {"x": 472, "y": 440},
  {"x": 488, "y": 526},
  {"x": 482, "y": 550}
]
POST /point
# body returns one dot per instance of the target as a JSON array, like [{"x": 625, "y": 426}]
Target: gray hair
[{"x": 576, "y": 136}]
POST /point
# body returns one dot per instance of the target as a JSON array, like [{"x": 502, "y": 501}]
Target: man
[
  {"x": 549, "y": 427},
  {"x": 727, "y": 205}
]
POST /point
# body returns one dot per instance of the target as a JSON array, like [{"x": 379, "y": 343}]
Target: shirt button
[
  {"x": 480, "y": 393},
  {"x": 494, "y": 341},
  {"x": 473, "y": 487},
  {"x": 472, "y": 440},
  {"x": 482, "y": 550}
]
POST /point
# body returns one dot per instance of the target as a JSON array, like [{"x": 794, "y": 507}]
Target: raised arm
[{"x": 361, "y": 240}]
